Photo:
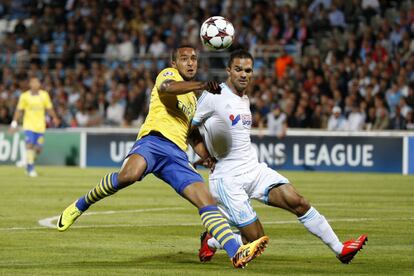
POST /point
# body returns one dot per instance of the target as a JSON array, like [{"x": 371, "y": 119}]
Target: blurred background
[{"x": 323, "y": 64}]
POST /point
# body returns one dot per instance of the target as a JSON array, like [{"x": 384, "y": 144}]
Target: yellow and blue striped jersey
[
  {"x": 34, "y": 107},
  {"x": 168, "y": 114}
]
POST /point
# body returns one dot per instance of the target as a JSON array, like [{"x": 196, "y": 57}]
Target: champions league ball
[{"x": 217, "y": 33}]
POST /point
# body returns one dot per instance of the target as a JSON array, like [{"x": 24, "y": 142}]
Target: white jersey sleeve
[
  {"x": 216, "y": 134},
  {"x": 205, "y": 108}
]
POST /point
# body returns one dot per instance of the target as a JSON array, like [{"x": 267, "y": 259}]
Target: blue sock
[
  {"x": 218, "y": 226},
  {"x": 106, "y": 187}
]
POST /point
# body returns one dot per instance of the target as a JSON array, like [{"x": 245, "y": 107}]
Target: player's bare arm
[
  {"x": 52, "y": 113},
  {"x": 183, "y": 87},
  {"x": 16, "y": 117},
  {"x": 197, "y": 143}
]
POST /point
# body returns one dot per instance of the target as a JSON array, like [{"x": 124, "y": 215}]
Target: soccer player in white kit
[{"x": 225, "y": 120}]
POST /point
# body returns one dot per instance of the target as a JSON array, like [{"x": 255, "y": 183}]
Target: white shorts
[{"x": 233, "y": 193}]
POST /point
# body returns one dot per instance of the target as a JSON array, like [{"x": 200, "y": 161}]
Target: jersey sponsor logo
[
  {"x": 188, "y": 109},
  {"x": 168, "y": 73},
  {"x": 234, "y": 120},
  {"x": 246, "y": 120}
]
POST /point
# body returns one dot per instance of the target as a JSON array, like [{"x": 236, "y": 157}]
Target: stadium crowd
[{"x": 351, "y": 67}]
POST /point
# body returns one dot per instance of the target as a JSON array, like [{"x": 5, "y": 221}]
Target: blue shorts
[
  {"x": 166, "y": 161},
  {"x": 34, "y": 138}
]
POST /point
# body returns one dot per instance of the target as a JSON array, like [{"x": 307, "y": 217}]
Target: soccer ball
[{"x": 217, "y": 33}]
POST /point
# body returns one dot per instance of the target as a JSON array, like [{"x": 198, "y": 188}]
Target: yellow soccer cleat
[
  {"x": 68, "y": 217},
  {"x": 249, "y": 251}
]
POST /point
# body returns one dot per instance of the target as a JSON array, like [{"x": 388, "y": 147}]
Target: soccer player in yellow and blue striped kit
[
  {"x": 33, "y": 103},
  {"x": 161, "y": 149}
]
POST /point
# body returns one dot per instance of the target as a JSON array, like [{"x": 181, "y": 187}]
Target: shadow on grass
[{"x": 182, "y": 262}]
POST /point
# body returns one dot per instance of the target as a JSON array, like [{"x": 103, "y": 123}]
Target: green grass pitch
[{"x": 152, "y": 231}]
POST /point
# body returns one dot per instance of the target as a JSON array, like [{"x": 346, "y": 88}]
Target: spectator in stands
[
  {"x": 382, "y": 119},
  {"x": 288, "y": 33},
  {"x": 410, "y": 121},
  {"x": 404, "y": 107},
  {"x": 397, "y": 121},
  {"x": 377, "y": 53},
  {"x": 94, "y": 117},
  {"x": 318, "y": 119},
  {"x": 369, "y": 9},
  {"x": 337, "y": 121},
  {"x": 370, "y": 118},
  {"x": 126, "y": 48},
  {"x": 112, "y": 49},
  {"x": 5, "y": 117},
  {"x": 282, "y": 63},
  {"x": 277, "y": 122},
  {"x": 136, "y": 109},
  {"x": 356, "y": 119},
  {"x": 337, "y": 18},
  {"x": 299, "y": 119},
  {"x": 81, "y": 115},
  {"x": 157, "y": 46},
  {"x": 393, "y": 96},
  {"x": 115, "y": 111}
]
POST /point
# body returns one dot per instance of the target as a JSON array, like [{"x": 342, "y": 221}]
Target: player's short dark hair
[
  {"x": 239, "y": 53},
  {"x": 175, "y": 51}
]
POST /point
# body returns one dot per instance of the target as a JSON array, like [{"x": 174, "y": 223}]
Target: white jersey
[{"x": 226, "y": 121}]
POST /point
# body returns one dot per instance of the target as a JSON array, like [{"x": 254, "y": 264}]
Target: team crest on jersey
[
  {"x": 168, "y": 73},
  {"x": 234, "y": 120}
]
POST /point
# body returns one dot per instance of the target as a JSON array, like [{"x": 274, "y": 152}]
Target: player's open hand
[
  {"x": 56, "y": 122},
  {"x": 14, "y": 127},
  {"x": 213, "y": 87},
  {"x": 209, "y": 162}
]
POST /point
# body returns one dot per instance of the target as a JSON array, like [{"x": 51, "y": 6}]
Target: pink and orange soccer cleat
[{"x": 351, "y": 248}]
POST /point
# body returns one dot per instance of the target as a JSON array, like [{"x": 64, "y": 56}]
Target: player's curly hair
[{"x": 239, "y": 53}]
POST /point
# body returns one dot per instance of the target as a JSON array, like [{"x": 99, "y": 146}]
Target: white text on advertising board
[{"x": 315, "y": 155}]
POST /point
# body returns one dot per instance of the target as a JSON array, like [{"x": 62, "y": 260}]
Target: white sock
[
  {"x": 319, "y": 226},
  {"x": 213, "y": 243}
]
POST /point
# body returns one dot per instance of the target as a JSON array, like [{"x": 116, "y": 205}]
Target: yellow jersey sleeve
[
  {"x": 168, "y": 114},
  {"x": 167, "y": 74},
  {"x": 21, "y": 104},
  {"x": 46, "y": 100},
  {"x": 34, "y": 108}
]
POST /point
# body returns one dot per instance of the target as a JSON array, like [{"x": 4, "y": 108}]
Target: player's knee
[
  {"x": 301, "y": 206},
  {"x": 127, "y": 177}
]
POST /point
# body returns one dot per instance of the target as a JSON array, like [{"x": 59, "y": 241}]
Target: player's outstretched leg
[
  {"x": 205, "y": 254},
  {"x": 351, "y": 248},
  {"x": 286, "y": 197},
  {"x": 30, "y": 157},
  {"x": 249, "y": 251},
  {"x": 219, "y": 228},
  {"x": 317, "y": 224},
  {"x": 106, "y": 187},
  {"x": 209, "y": 245}
]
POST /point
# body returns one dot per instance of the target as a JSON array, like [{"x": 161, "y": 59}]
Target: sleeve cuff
[{"x": 195, "y": 122}]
